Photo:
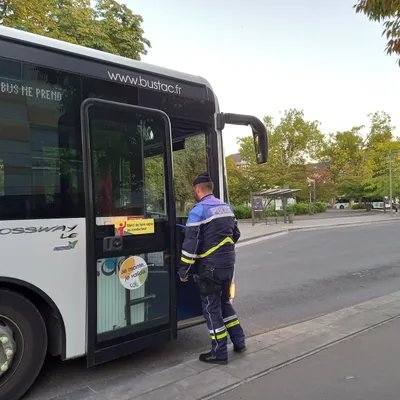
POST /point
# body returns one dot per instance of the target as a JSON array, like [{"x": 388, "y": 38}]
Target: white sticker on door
[{"x": 133, "y": 272}]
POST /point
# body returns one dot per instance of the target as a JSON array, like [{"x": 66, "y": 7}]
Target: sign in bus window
[{"x": 125, "y": 288}]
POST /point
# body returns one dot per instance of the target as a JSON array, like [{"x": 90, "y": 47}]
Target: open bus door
[
  {"x": 188, "y": 296},
  {"x": 130, "y": 227}
]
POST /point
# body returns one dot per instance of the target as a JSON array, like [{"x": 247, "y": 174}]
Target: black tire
[
  {"x": 342, "y": 207},
  {"x": 30, "y": 336}
]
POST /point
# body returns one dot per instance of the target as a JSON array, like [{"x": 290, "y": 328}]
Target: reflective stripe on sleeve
[
  {"x": 189, "y": 255},
  {"x": 187, "y": 261}
]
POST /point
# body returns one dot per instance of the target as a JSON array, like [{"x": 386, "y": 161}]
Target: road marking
[
  {"x": 313, "y": 228},
  {"x": 261, "y": 239}
]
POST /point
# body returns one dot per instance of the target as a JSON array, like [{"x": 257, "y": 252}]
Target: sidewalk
[
  {"x": 193, "y": 380},
  {"x": 365, "y": 367},
  {"x": 250, "y": 232}
]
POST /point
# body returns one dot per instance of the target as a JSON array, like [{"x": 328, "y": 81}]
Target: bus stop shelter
[{"x": 257, "y": 200}]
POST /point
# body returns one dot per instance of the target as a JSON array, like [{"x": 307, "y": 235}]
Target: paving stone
[
  {"x": 269, "y": 339},
  {"x": 301, "y": 345},
  {"x": 255, "y": 363},
  {"x": 82, "y": 394},
  {"x": 135, "y": 386},
  {"x": 199, "y": 366},
  {"x": 375, "y": 303},
  {"x": 358, "y": 322},
  {"x": 297, "y": 329},
  {"x": 336, "y": 316},
  {"x": 117, "y": 381},
  {"x": 391, "y": 310},
  {"x": 192, "y": 388}
]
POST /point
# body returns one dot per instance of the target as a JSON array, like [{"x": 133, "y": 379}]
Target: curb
[
  {"x": 317, "y": 227},
  {"x": 267, "y": 352},
  {"x": 295, "y": 359},
  {"x": 274, "y": 350}
]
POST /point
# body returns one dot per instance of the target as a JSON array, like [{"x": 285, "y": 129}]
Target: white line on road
[
  {"x": 313, "y": 228},
  {"x": 261, "y": 239}
]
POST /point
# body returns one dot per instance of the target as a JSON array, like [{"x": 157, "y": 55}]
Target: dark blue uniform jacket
[{"x": 210, "y": 236}]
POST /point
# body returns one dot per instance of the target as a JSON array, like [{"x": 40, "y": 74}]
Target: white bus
[{"x": 91, "y": 145}]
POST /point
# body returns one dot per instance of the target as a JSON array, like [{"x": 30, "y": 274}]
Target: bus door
[
  {"x": 190, "y": 311},
  {"x": 130, "y": 218}
]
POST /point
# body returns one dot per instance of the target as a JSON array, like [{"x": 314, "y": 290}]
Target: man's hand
[{"x": 184, "y": 279}]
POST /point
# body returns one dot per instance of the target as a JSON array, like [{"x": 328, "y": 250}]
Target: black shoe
[
  {"x": 211, "y": 359},
  {"x": 239, "y": 349}
]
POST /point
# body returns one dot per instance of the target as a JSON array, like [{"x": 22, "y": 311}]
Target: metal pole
[{"x": 390, "y": 186}]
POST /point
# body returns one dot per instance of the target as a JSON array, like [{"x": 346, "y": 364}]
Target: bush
[
  {"x": 360, "y": 206},
  {"x": 299, "y": 208},
  {"x": 320, "y": 207},
  {"x": 303, "y": 208},
  {"x": 242, "y": 211}
]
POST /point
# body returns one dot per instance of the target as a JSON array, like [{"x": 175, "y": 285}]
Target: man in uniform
[{"x": 209, "y": 250}]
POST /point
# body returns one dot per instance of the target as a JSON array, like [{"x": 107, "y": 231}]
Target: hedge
[{"x": 244, "y": 212}]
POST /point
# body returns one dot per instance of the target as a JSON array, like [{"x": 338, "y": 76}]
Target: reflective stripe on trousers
[{"x": 220, "y": 316}]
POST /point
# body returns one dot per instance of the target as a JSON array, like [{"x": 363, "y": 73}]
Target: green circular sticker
[{"x": 133, "y": 272}]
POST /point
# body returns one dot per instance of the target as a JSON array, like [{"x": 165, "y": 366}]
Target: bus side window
[
  {"x": 188, "y": 163},
  {"x": 40, "y": 149}
]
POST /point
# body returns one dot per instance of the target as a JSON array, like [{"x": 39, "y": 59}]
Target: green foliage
[
  {"x": 299, "y": 208},
  {"x": 359, "y": 165},
  {"x": 242, "y": 211},
  {"x": 294, "y": 138},
  {"x": 320, "y": 207},
  {"x": 292, "y": 141},
  {"x": 188, "y": 163},
  {"x": 303, "y": 208},
  {"x": 353, "y": 163},
  {"x": 359, "y": 206},
  {"x": 388, "y": 12},
  {"x": 107, "y": 25}
]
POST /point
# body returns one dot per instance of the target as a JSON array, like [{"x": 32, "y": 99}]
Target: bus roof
[{"x": 101, "y": 56}]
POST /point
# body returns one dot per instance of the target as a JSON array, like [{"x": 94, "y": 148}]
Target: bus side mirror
[{"x": 258, "y": 129}]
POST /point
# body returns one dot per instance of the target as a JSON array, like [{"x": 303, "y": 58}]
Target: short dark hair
[{"x": 206, "y": 186}]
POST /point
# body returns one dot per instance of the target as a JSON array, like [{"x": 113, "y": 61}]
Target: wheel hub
[{"x": 7, "y": 349}]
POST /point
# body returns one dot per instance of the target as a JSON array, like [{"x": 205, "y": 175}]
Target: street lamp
[{"x": 311, "y": 183}]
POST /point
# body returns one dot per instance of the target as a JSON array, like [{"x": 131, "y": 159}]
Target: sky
[{"x": 263, "y": 57}]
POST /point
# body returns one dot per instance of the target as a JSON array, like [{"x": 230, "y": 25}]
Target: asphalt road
[{"x": 279, "y": 281}]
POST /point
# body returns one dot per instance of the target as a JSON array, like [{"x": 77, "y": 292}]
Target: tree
[
  {"x": 237, "y": 183},
  {"x": 188, "y": 164},
  {"x": 377, "y": 185},
  {"x": 359, "y": 165},
  {"x": 294, "y": 139},
  {"x": 344, "y": 153},
  {"x": 108, "y": 26},
  {"x": 325, "y": 188},
  {"x": 381, "y": 129},
  {"x": 291, "y": 142},
  {"x": 388, "y": 12}
]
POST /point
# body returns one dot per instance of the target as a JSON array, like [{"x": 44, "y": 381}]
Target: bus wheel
[{"x": 23, "y": 344}]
